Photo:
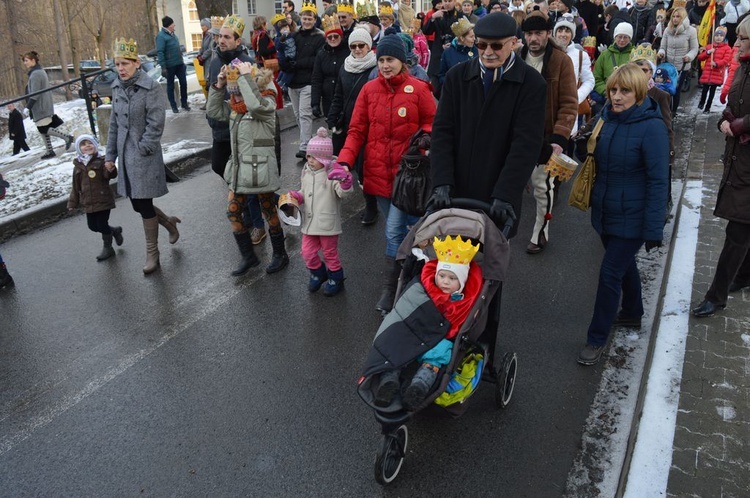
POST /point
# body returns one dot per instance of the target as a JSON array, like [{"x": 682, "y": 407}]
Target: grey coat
[
  {"x": 40, "y": 106},
  {"x": 135, "y": 130}
]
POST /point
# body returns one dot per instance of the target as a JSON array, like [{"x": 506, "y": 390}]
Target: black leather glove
[
  {"x": 441, "y": 197},
  {"x": 502, "y": 211},
  {"x": 652, "y": 244},
  {"x": 316, "y": 111}
]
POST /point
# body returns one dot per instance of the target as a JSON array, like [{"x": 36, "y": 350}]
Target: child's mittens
[
  {"x": 338, "y": 172},
  {"x": 297, "y": 195}
]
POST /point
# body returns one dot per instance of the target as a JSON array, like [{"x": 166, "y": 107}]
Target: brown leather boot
[
  {"x": 151, "y": 228},
  {"x": 170, "y": 223}
]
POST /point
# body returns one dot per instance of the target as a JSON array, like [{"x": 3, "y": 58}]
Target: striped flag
[{"x": 705, "y": 28}]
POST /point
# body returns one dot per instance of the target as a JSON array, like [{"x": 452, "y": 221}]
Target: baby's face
[
  {"x": 87, "y": 148},
  {"x": 447, "y": 281}
]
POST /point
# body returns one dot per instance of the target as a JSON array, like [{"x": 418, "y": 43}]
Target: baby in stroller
[{"x": 452, "y": 281}]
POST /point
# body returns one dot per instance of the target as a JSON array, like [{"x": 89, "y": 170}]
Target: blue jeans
[
  {"x": 618, "y": 274},
  {"x": 396, "y": 223},
  {"x": 180, "y": 72}
]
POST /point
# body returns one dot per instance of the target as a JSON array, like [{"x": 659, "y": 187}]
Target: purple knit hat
[{"x": 321, "y": 147}]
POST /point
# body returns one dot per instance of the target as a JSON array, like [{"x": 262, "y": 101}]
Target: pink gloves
[
  {"x": 297, "y": 195},
  {"x": 338, "y": 172}
]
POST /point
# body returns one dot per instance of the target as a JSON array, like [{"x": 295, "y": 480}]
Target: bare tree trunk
[
  {"x": 16, "y": 85},
  {"x": 62, "y": 48},
  {"x": 73, "y": 37}
]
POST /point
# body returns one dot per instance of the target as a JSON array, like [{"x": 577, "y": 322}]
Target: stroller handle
[{"x": 467, "y": 203}]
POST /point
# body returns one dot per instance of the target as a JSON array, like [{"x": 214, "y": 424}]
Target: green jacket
[
  {"x": 252, "y": 167},
  {"x": 168, "y": 49},
  {"x": 606, "y": 63}
]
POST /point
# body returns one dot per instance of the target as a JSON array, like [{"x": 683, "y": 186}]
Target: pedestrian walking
[
  {"x": 251, "y": 169},
  {"x": 679, "y": 47},
  {"x": 388, "y": 111},
  {"x": 40, "y": 107},
  {"x": 733, "y": 199},
  {"x": 261, "y": 41},
  {"x": 324, "y": 183},
  {"x": 91, "y": 192},
  {"x": 172, "y": 65},
  {"x": 716, "y": 56},
  {"x": 16, "y": 130},
  {"x": 628, "y": 201},
  {"x": 134, "y": 141},
  {"x": 352, "y": 77},
  {"x": 328, "y": 63}
]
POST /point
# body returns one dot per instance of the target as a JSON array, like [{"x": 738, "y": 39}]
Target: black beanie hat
[
  {"x": 391, "y": 45},
  {"x": 167, "y": 21}
]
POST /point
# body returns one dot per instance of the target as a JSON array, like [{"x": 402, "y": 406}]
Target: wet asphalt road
[{"x": 190, "y": 382}]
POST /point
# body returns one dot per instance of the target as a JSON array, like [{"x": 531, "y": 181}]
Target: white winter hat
[
  {"x": 565, "y": 23},
  {"x": 361, "y": 35},
  {"x": 624, "y": 28}
]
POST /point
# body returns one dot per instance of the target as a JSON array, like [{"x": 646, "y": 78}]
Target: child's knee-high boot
[
  {"x": 280, "y": 259},
  {"x": 151, "y": 229},
  {"x": 5, "y": 279},
  {"x": 335, "y": 283},
  {"x": 170, "y": 223},
  {"x": 107, "y": 251},
  {"x": 249, "y": 259}
]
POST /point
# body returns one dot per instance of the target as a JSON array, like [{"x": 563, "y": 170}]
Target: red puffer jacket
[
  {"x": 722, "y": 57},
  {"x": 386, "y": 115}
]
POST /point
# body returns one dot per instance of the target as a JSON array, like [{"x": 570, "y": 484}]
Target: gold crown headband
[
  {"x": 643, "y": 52},
  {"x": 455, "y": 251},
  {"x": 309, "y": 7},
  {"x": 330, "y": 23},
  {"x": 346, "y": 8},
  {"x": 235, "y": 23},
  {"x": 385, "y": 9},
  {"x": 276, "y": 18},
  {"x": 126, "y": 49},
  {"x": 217, "y": 22}
]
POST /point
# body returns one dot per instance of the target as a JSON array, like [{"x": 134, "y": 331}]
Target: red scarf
[{"x": 453, "y": 311}]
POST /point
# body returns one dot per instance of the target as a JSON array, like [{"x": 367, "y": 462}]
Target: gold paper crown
[
  {"x": 679, "y": 3},
  {"x": 217, "y": 22},
  {"x": 276, "y": 18},
  {"x": 643, "y": 52},
  {"x": 386, "y": 9},
  {"x": 456, "y": 251},
  {"x": 661, "y": 12},
  {"x": 309, "y": 7},
  {"x": 235, "y": 23},
  {"x": 127, "y": 49},
  {"x": 461, "y": 27},
  {"x": 589, "y": 41},
  {"x": 367, "y": 9},
  {"x": 330, "y": 23},
  {"x": 345, "y": 7}
]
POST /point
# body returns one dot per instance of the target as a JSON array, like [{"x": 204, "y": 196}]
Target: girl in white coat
[
  {"x": 564, "y": 32},
  {"x": 324, "y": 183}
]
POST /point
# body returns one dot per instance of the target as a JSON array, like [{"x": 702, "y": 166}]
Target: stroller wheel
[
  {"x": 391, "y": 456},
  {"x": 506, "y": 380}
]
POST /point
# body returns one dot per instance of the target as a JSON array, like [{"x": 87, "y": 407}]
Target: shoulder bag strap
[
  {"x": 580, "y": 67},
  {"x": 591, "y": 144}
]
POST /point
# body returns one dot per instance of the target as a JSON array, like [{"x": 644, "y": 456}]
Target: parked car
[{"x": 89, "y": 65}]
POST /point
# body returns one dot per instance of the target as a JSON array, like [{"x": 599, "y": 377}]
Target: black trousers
[
  {"x": 99, "y": 222},
  {"x": 18, "y": 144},
  {"x": 144, "y": 207},
  {"x": 733, "y": 261}
]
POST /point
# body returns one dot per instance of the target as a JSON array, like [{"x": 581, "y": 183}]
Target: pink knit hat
[{"x": 321, "y": 147}]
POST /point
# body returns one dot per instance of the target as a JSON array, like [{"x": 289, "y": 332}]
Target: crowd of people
[{"x": 503, "y": 89}]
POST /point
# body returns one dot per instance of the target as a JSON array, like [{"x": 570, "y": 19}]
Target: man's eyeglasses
[
  {"x": 333, "y": 36},
  {"x": 357, "y": 46},
  {"x": 496, "y": 46}
]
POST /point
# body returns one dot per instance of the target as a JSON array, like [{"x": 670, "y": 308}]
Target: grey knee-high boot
[{"x": 68, "y": 138}]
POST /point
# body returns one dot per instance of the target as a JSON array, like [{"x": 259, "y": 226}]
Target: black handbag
[{"x": 412, "y": 186}]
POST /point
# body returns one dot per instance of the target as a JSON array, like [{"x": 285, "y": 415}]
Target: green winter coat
[
  {"x": 252, "y": 166},
  {"x": 606, "y": 63}
]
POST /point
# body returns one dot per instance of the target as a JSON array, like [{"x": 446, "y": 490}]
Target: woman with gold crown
[
  {"x": 326, "y": 67},
  {"x": 251, "y": 169},
  {"x": 134, "y": 140}
]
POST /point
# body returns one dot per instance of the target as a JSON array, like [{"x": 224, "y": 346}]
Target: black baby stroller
[{"x": 397, "y": 347}]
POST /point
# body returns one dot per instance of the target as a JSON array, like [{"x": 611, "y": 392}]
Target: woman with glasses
[
  {"x": 328, "y": 63},
  {"x": 352, "y": 77},
  {"x": 733, "y": 199},
  {"x": 388, "y": 111}
]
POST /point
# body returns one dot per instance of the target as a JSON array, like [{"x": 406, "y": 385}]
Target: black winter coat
[
  {"x": 440, "y": 27},
  {"x": 308, "y": 42},
  {"x": 348, "y": 86},
  {"x": 639, "y": 19},
  {"x": 328, "y": 63},
  {"x": 487, "y": 147},
  {"x": 16, "y": 130}
]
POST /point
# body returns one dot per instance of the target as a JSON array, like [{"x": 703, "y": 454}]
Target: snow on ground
[
  {"x": 35, "y": 182},
  {"x": 596, "y": 469},
  {"x": 652, "y": 455}
]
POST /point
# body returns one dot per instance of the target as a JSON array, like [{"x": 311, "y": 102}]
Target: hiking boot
[
  {"x": 317, "y": 278},
  {"x": 628, "y": 322},
  {"x": 107, "y": 251},
  {"x": 334, "y": 284},
  {"x": 117, "y": 234},
  {"x": 387, "y": 388},
  {"x": 420, "y": 385},
  {"x": 590, "y": 355},
  {"x": 257, "y": 235}
]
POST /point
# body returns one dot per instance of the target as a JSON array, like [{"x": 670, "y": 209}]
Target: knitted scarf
[{"x": 356, "y": 66}]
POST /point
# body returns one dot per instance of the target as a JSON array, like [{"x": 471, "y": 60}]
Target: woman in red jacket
[
  {"x": 717, "y": 57},
  {"x": 389, "y": 110}
]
